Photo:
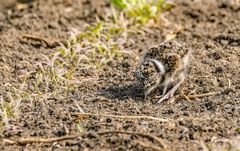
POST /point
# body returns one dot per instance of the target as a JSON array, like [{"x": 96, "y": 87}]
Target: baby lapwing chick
[{"x": 163, "y": 66}]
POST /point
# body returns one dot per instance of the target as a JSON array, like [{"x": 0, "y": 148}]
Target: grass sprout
[
  {"x": 44, "y": 82},
  {"x": 9, "y": 109},
  {"x": 93, "y": 48},
  {"x": 141, "y": 11},
  {"x": 103, "y": 41}
]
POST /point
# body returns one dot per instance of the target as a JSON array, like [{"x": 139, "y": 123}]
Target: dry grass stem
[
  {"x": 125, "y": 117},
  {"x": 48, "y": 42},
  {"x": 23, "y": 141},
  {"x": 185, "y": 96},
  {"x": 202, "y": 95}
]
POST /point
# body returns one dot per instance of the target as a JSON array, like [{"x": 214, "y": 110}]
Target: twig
[
  {"x": 125, "y": 117},
  {"x": 79, "y": 108},
  {"x": 185, "y": 96},
  {"x": 41, "y": 39},
  {"x": 23, "y": 141},
  {"x": 202, "y": 95},
  {"x": 159, "y": 140},
  {"x": 189, "y": 97}
]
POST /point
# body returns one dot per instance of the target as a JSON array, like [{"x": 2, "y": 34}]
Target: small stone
[
  {"x": 205, "y": 61},
  {"x": 227, "y": 106},
  {"x": 235, "y": 44},
  {"x": 227, "y": 91},
  {"x": 224, "y": 42}
]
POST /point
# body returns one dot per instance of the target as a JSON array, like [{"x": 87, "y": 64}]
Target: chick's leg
[
  {"x": 171, "y": 92},
  {"x": 150, "y": 87},
  {"x": 164, "y": 89},
  {"x": 165, "y": 85}
]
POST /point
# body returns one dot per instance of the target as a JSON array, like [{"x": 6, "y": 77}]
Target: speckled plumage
[{"x": 163, "y": 66}]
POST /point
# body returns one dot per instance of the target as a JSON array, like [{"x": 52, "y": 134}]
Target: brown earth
[{"x": 210, "y": 28}]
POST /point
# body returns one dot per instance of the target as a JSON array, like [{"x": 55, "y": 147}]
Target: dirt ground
[{"x": 210, "y": 28}]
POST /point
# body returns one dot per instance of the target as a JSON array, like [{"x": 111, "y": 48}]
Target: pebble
[
  {"x": 227, "y": 106},
  {"x": 224, "y": 42}
]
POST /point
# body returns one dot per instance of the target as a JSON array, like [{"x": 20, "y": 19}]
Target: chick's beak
[{"x": 138, "y": 74}]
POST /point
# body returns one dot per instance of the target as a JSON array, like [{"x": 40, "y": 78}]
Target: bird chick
[{"x": 163, "y": 66}]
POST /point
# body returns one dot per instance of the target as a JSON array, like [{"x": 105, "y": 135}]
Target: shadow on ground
[{"x": 133, "y": 91}]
